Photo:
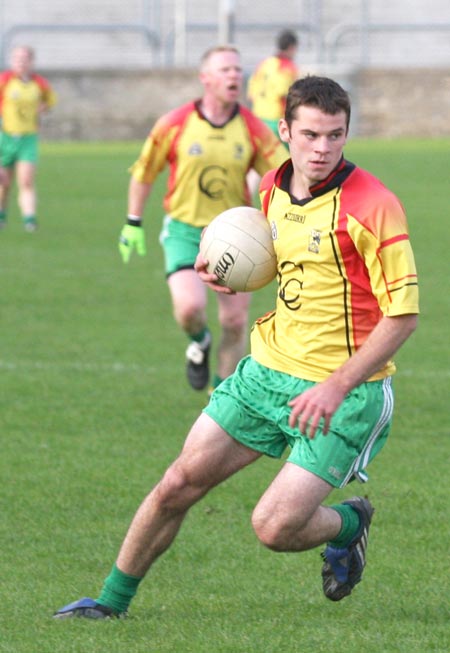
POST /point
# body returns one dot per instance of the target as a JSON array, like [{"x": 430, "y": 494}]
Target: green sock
[
  {"x": 118, "y": 590},
  {"x": 350, "y": 525},
  {"x": 29, "y": 222},
  {"x": 3, "y": 216},
  {"x": 199, "y": 337}
]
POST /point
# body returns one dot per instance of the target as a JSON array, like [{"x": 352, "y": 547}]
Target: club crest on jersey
[
  {"x": 238, "y": 151},
  {"x": 195, "y": 149},
  {"x": 314, "y": 241}
]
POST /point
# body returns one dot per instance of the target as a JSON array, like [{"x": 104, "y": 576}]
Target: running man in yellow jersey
[
  {"x": 24, "y": 96},
  {"x": 209, "y": 146},
  {"x": 268, "y": 86},
  {"x": 318, "y": 381}
]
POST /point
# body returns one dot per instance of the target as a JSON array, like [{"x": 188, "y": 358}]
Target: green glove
[{"x": 132, "y": 237}]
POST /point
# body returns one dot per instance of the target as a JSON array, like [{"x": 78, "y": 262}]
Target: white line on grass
[{"x": 119, "y": 367}]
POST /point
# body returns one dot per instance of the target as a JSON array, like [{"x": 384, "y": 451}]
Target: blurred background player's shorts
[{"x": 15, "y": 148}]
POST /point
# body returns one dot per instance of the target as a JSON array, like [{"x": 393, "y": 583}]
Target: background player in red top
[
  {"x": 209, "y": 146},
  {"x": 318, "y": 380},
  {"x": 24, "y": 96}
]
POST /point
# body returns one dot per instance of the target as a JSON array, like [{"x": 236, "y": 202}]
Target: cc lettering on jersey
[
  {"x": 291, "y": 285},
  {"x": 212, "y": 182}
]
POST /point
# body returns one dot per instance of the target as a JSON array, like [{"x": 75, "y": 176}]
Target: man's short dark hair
[
  {"x": 286, "y": 39},
  {"x": 321, "y": 92}
]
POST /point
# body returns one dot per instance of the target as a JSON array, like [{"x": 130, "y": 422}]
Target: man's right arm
[
  {"x": 323, "y": 399},
  {"x": 138, "y": 192}
]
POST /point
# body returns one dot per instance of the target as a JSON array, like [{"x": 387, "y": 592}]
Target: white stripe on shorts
[{"x": 361, "y": 462}]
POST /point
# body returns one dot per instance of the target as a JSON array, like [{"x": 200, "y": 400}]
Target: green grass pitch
[{"x": 94, "y": 406}]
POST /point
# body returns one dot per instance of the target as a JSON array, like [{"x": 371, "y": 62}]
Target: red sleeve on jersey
[
  {"x": 5, "y": 76},
  {"x": 288, "y": 65},
  {"x": 258, "y": 131},
  {"x": 378, "y": 217},
  {"x": 380, "y": 214},
  {"x": 41, "y": 82},
  {"x": 174, "y": 118},
  {"x": 265, "y": 189},
  {"x": 255, "y": 127},
  {"x": 268, "y": 182},
  {"x": 173, "y": 122}
]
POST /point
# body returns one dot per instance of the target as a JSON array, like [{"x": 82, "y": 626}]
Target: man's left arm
[{"x": 322, "y": 400}]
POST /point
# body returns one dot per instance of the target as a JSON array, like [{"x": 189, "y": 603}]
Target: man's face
[
  {"x": 21, "y": 61},
  {"x": 316, "y": 141},
  {"x": 222, "y": 76}
]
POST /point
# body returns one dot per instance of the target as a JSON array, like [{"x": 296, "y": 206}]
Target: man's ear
[{"x": 283, "y": 130}]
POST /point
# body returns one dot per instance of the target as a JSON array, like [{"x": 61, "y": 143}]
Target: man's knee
[
  {"x": 170, "y": 489},
  {"x": 234, "y": 325},
  {"x": 176, "y": 492},
  {"x": 186, "y": 313},
  {"x": 5, "y": 180},
  {"x": 278, "y": 532},
  {"x": 266, "y": 533},
  {"x": 269, "y": 529},
  {"x": 26, "y": 185}
]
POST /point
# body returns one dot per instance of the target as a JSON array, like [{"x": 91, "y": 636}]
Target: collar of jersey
[
  {"x": 197, "y": 105},
  {"x": 334, "y": 179}
]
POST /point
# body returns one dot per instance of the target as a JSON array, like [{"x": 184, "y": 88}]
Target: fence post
[{"x": 227, "y": 13}]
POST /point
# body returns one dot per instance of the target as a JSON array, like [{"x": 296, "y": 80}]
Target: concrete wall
[
  {"x": 107, "y": 105},
  {"x": 96, "y": 105},
  {"x": 404, "y": 103}
]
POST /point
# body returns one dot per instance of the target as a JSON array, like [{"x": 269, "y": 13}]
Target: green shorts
[
  {"x": 251, "y": 406},
  {"x": 18, "y": 148},
  {"x": 180, "y": 242}
]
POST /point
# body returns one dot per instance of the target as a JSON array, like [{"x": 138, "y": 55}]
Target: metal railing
[
  {"x": 171, "y": 50},
  {"x": 363, "y": 29},
  {"x": 151, "y": 37},
  {"x": 175, "y": 53}
]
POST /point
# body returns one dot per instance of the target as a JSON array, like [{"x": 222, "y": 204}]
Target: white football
[{"x": 239, "y": 249}]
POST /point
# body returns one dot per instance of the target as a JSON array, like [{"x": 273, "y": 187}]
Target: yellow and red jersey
[
  {"x": 207, "y": 164},
  {"x": 344, "y": 261},
  {"x": 268, "y": 86},
  {"x": 21, "y": 101}
]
